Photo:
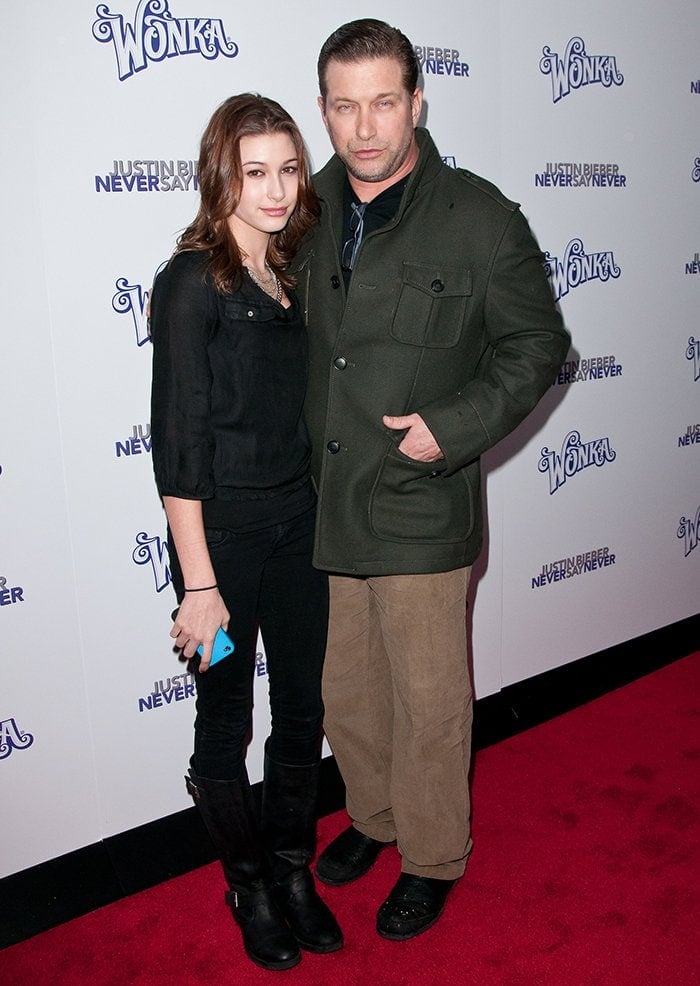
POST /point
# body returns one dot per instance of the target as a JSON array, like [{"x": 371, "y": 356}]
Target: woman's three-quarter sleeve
[{"x": 183, "y": 319}]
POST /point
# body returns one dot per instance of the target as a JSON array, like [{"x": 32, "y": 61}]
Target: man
[{"x": 433, "y": 334}]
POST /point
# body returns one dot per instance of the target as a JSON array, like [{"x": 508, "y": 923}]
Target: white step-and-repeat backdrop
[{"x": 589, "y": 115}]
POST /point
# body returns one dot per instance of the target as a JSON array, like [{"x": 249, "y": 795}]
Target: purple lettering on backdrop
[
  {"x": 577, "y": 267},
  {"x": 155, "y": 34},
  {"x": 689, "y": 532},
  {"x": 577, "y": 69},
  {"x": 132, "y": 299},
  {"x": 575, "y": 455},
  {"x": 12, "y": 738}
]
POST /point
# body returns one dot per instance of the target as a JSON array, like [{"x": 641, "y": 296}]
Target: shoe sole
[
  {"x": 393, "y": 936},
  {"x": 274, "y": 966}
]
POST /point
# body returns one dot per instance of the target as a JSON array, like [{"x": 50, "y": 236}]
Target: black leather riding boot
[
  {"x": 288, "y": 828},
  {"x": 227, "y": 811}
]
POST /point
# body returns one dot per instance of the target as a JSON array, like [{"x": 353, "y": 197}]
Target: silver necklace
[{"x": 270, "y": 285}]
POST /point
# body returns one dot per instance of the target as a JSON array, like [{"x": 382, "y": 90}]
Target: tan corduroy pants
[{"x": 398, "y": 716}]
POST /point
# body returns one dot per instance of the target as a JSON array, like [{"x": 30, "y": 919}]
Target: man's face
[{"x": 370, "y": 118}]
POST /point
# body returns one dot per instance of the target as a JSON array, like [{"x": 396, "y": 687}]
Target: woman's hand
[{"x": 197, "y": 622}]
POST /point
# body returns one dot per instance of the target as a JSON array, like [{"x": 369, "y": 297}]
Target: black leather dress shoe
[
  {"x": 413, "y": 906},
  {"x": 348, "y": 857}
]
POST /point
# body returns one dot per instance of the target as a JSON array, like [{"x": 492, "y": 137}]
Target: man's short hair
[{"x": 368, "y": 38}]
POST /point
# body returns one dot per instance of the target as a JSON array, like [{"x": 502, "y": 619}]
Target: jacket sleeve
[
  {"x": 183, "y": 317},
  {"x": 524, "y": 346}
]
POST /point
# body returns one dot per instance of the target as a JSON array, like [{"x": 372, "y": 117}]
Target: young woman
[{"x": 231, "y": 458}]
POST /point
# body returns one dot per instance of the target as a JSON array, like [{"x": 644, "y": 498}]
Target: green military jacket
[{"x": 448, "y": 314}]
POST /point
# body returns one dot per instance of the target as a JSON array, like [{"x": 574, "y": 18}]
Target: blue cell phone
[{"x": 222, "y": 647}]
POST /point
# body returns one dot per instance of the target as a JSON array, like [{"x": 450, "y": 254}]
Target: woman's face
[{"x": 270, "y": 182}]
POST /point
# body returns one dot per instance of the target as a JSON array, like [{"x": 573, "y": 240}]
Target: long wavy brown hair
[{"x": 221, "y": 181}]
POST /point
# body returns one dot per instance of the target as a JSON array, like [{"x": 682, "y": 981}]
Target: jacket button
[
  {"x": 437, "y": 286},
  {"x": 335, "y": 281},
  {"x": 340, "y": 363},
  {"x": 333, "y": 447}
]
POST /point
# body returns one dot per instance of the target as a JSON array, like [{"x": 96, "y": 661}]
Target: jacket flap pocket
[{"x": 438, "y": 282}]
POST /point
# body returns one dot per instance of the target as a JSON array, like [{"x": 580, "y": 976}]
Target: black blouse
[{"x": 229, "y": 376}]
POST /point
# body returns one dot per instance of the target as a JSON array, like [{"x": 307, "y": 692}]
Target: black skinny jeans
[{"x": 266, "y": 579}]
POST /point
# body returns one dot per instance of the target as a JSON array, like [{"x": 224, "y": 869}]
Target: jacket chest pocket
[{"x": 432, "y": 305}]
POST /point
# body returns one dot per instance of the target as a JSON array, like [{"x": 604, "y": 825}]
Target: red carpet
[{"x": 584, "y": 873}]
